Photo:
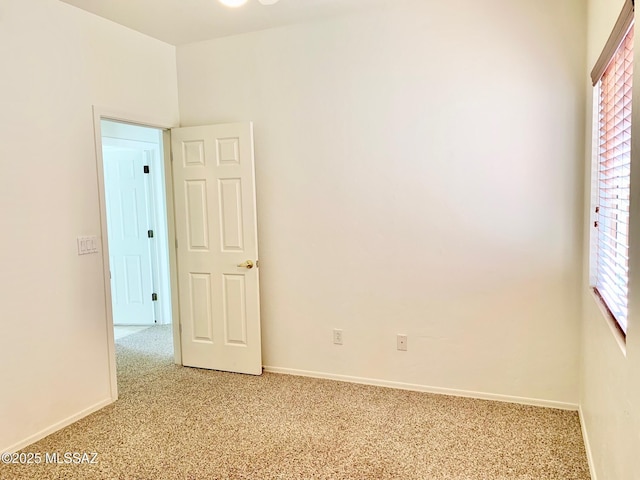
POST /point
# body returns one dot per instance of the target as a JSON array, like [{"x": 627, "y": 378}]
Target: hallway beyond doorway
[{"x": 121, "y": 331}]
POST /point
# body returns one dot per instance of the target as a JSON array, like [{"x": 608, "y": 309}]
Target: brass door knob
[{"x": 248, "y": 264}]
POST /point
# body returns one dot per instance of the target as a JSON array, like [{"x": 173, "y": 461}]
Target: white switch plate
[
  {"x": 402, "y": 342},
  {"x": 87, "y": 245}
]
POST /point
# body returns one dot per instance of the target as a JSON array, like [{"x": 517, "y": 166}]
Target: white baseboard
[
  {"x": 426, "y": 388},
  {"x": 56, "y": 426},
  {"x": 587, "y": 445}
]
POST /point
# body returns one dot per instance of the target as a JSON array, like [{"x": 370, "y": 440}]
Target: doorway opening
[
  {"x": 137, "y": 230},
  {"x": 213, "y": 238}
]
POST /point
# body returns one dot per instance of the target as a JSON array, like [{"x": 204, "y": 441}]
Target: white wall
[
  {"x": 610, "y": 373},
  {"x": 57, "y": 61},
  {"x": 418, "y": 171}
]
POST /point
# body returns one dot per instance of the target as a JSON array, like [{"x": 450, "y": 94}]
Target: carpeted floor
[{"x": 182, "y": 423}]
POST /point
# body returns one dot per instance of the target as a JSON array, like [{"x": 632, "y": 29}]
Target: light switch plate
[{"x": 87, "y": 245}]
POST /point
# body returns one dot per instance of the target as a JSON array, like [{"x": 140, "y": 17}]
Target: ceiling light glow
[{"x": 233, "y": 3}]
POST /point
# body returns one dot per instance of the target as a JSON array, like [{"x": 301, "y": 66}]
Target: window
[{"x": 611, "y": 175}]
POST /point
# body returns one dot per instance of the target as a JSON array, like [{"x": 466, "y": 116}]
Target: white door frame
[{"x": 102, "y": 113}]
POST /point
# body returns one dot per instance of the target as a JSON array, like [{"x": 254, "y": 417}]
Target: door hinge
[
  {"x": 150, "y": 233},
  {"x": 154, "y": 297},
  {"x": 176, "y": 243},
  {"x": 146, "y": 169}
]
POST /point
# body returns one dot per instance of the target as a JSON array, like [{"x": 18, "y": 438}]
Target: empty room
[{"x": 319, "y": 239}]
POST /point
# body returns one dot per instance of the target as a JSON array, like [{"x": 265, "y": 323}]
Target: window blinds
[
  {"x": 613, "y": 179},
  {"x": 620, "y": 29}
]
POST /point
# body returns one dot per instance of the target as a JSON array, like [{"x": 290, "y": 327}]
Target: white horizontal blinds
[
  {"x": 620, "y": 29},
  {"x": 614, "y": 168}
]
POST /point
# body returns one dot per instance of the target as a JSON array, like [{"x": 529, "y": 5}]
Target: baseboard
[
  {"x": 587, "y": 445},
  {"x": 56, "y": 426},
  {"x": 426, "y": 388}
]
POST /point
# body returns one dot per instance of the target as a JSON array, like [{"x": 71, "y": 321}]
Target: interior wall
[
  {"x": 610, "y": 373},
  {"x": 58, "y": 61},
  {"x": 419, "y": 172}
]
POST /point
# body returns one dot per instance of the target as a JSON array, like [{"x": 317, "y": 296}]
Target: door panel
[
  {"x": 201, "y": 313},
  {"x": 214, "y": 192},
  {"x": 197, "y": 215},
  {"x": 134, "y": 279},
  {"x": 231, "y": 234},
  {"x": 235, "y": 312}
]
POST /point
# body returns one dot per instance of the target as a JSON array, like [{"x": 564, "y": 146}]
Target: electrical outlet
[
  {"x": 337, "y": 336},
  {"x": 402, "y": 342}
]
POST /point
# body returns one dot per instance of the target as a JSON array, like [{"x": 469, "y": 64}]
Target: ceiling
[{"x": 179, "y": 22}]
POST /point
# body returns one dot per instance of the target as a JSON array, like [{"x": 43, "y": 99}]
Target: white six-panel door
[
  {"x": 127, "y": 198},
  {"x": 217, "y": 248}
]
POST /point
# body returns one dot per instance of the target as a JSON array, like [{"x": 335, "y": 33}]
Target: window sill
[{"x": 611, "y": 323}]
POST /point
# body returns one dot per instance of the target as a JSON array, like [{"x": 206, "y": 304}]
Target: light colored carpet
[{"x": 183, "y": 423}]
